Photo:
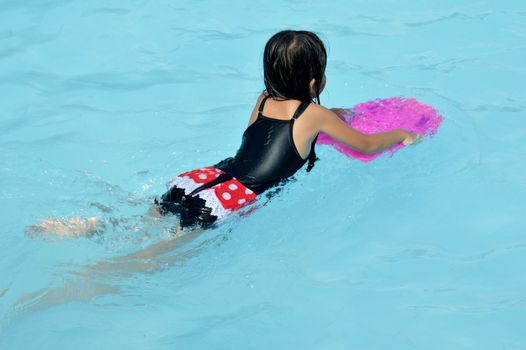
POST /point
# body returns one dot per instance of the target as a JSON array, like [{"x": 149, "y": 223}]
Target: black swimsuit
[
  {"x": 267, "y": 154},
  {"x": 266, "y": 157}
]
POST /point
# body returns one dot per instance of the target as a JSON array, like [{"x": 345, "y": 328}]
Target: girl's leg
[
  {"x": 149, "y": 259},
  {"x": 96, "y": 279}
]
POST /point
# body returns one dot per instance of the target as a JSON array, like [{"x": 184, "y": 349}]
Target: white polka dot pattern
[{"x": 222, "y": 198}]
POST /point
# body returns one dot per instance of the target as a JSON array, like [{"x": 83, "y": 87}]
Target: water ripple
[
  {"x": 451, "y": 16},
  {"x": 107, "y": 11},
  {"x": 344, "y": 30},
  {"x": 415, "y": 253},
  {"x": 31, "y": 6},
  {"x": 14, "y": 42},
  {"x": 476, "y": 308},
  {"x": 50, "y": 83},
  {"x": 209, "y": 34}
]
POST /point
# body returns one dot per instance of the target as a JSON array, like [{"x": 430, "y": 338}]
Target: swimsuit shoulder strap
[
  {"x": 301, "y": 108},
  {"x": 262, "y": 104}
]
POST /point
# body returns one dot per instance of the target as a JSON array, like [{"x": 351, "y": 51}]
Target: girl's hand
[{"x": 411, "y": 139}]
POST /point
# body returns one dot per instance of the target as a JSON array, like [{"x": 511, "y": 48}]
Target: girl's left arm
[{"x": 327, "y": 121}]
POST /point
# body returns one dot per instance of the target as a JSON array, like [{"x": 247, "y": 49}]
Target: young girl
[{"x": 279, "y": 140}]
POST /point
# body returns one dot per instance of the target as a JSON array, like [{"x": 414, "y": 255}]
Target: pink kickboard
[{"x": 383, "y": 115}]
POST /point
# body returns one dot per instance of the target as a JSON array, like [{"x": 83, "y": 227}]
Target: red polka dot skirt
[{"x": 222, "y": 198}]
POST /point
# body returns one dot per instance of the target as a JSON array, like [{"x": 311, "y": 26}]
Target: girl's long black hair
[{"x": 292, "y": 58}]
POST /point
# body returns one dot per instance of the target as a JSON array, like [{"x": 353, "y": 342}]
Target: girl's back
[
  {"x": 304, "y": 129},
  {"x": 269, "y": 151}
]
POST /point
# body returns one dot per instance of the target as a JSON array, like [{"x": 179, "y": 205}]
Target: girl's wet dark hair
[{"x": 292, "y": 58}]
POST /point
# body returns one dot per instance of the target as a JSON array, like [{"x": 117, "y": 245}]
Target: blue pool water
[{"x": 101, "y": 103}]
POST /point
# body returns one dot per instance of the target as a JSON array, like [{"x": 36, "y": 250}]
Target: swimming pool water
[{"x": 103, "y": 102}]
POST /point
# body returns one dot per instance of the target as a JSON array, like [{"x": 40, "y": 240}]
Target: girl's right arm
[{"x": 332, "y": 125}]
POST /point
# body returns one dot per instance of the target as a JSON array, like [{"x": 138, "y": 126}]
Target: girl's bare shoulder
[{"x": 318, "y": 113}]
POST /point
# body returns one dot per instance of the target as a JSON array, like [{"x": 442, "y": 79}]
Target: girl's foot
[{"x": 65, "y": 228}]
